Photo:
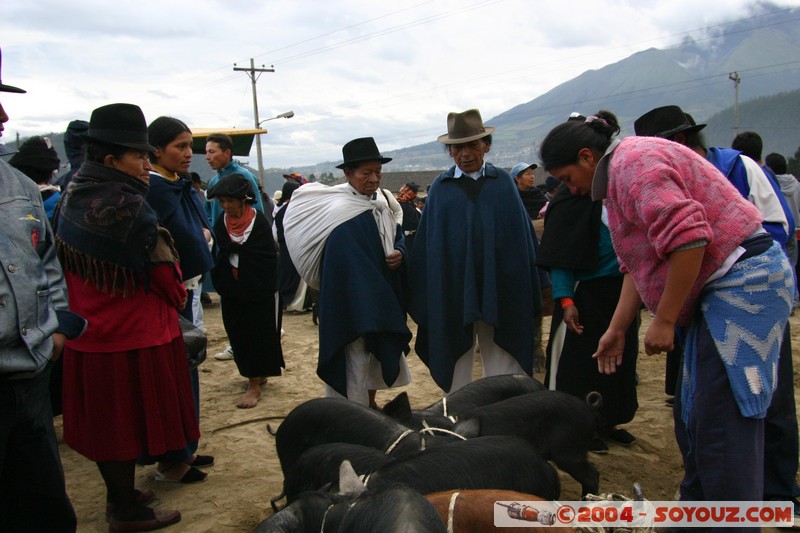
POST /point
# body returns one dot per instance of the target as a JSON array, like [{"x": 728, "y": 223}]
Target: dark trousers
[
  {"x": 32, "y": 492},
  {"x": 780, "y": 432},
  {"x": 723, "y": 452}
]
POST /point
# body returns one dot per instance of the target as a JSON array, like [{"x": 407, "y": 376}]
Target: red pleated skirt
[{"x": 121, "y": 405}]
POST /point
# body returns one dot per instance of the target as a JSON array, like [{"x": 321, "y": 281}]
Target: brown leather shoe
[{"x": 141, "y": 497}]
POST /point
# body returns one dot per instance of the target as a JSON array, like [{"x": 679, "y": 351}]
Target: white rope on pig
[
  {"x": 431, "y": 430},
  {"x": 452, "y": 419},
  {"x": 324, "y": 516},
  {"x": 451, "y": 511},
  {"x": 397, "y": 441}
]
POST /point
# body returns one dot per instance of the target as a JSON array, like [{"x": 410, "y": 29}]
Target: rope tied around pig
[
  {"x": 403, "y": 435},
  {"x": 430, "y": 430}
]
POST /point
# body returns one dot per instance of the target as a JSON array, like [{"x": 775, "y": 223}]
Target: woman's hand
[
  {"x": 660, "y": 337},
  {"x": 394, "y": 260},
  {"x": 572, "y": 319},
  {"x": 609, "y": 351},
  {"x": 58, "y": 345},
  {"x": 165, "y": 281}
]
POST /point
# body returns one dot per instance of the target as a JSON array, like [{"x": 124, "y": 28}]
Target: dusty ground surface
[{"x": 235, "y": 497}]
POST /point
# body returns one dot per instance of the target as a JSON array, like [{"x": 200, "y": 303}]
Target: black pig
[{"x": 559, "y": 425}]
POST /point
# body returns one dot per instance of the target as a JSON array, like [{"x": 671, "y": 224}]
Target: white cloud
[{"x": 347, "y": 68}]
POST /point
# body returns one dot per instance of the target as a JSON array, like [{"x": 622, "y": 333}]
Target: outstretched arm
[{"x": 612, "y": 343}]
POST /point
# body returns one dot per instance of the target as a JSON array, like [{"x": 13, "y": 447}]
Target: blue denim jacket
[{"x": 33, "y": 295}]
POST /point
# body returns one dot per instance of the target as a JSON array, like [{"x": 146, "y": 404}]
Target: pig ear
[
  {"x": 400, "y": 409},
  {"x": 349, "y": 483},
  {"x": 469, "y": 428},
  {"x": 285, "y": 521}
]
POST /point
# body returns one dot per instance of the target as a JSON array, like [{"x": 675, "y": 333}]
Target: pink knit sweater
[{"x": 662, "y": 195}]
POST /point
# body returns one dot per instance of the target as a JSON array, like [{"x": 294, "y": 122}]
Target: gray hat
[
  {"x": 465, "y": 127},
  {"x": 520, "y": 167}
]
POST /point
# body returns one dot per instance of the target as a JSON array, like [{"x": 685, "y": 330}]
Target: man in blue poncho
[
  {"x": 473, "y": 273},
  {"x": 345, "y": 241}
]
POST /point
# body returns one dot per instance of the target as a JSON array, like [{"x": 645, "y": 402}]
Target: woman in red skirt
[{"x": 126, "y": 381}]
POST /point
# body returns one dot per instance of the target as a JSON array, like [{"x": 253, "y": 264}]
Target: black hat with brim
[
  {"x": 360, "y": 150},
  {"x": 232, "y": 186},
  {"x": 664, "y": 122},
  {"x": 121, "y": 125}
]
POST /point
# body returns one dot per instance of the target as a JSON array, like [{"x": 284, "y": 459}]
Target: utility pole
[
  {"x": 254, "y": 73},
  {"x": 734, "y": 77}
]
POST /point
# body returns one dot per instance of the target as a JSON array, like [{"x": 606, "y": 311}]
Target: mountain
[{"x": 762, "y": 48}]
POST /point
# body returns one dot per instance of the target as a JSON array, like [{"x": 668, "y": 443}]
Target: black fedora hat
[
  {"x": 664, "y": 122},
  {"x": 7, "y": 88},
  {"x": 119, "y": 124},
  {"x": 359, "y": 150}
]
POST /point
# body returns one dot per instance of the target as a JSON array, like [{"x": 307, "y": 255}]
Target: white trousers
[
  {"x": 364, "y": 374},
  {"x": 197, "y": 310},
  {"x": 496, "y": 361}
]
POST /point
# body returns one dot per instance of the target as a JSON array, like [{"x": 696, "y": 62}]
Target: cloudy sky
[{"x": 347, "y": 68}]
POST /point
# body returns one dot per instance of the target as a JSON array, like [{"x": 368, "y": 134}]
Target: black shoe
[
  {"x": 598, "y": 446},
  {"x": 620, "y": 436},
  {"x": 203, "y": 461}
]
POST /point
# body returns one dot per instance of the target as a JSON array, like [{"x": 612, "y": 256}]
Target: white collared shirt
[{"x": 474, "y": 175}]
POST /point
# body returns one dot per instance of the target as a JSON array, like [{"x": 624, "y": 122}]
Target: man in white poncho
[{"x": 345, "y": 241}]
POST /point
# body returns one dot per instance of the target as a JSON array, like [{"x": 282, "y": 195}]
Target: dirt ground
[{"x": 235, "y": 497}]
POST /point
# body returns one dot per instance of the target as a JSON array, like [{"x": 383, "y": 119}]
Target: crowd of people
[{"x": 98, "y": 270}]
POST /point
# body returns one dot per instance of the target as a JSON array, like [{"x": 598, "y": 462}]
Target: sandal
[
  {"x": 192, "y": 475},
  {"x": 156, "y": 519}
]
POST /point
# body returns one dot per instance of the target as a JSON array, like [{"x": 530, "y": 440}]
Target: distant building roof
[
  {"x": 394, "y": 180},
  {"x": 242, "y": 139}
]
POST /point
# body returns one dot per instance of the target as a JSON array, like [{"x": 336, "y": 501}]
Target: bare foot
[
  {"x": 252, "y": 395},
  {"x": 263, "y": 381}
]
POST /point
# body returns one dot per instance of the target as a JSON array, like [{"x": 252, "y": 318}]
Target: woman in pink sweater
[{"x": 693, "y": 250}]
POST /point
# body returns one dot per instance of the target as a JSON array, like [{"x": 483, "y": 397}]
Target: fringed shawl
[{"x": 106, "y": 232}]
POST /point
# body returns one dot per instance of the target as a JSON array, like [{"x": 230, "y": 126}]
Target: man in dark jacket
[
  {"x": 34, "y": 324},
  {"x": 407, "y": 199}
]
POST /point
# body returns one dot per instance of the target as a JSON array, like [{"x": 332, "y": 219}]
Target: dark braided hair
[{"x": 561, "y": 146}]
